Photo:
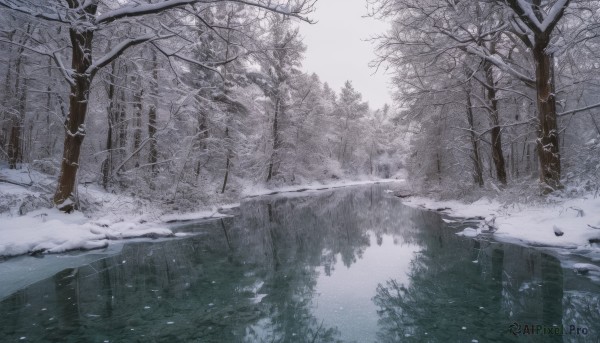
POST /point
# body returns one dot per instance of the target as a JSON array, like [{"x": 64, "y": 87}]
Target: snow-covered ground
[
  {"x": 28, "y": 224},
  {"x": 528, "y": 224}
]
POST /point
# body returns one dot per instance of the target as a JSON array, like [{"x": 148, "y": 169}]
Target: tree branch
[
  {"x": 139, "y": 10},
  {"x": 119, "y": 49},
  {"x": 498, "y": 62},
  {"x": 34, "y": 11},
  {"x": 578, "y": 110}
]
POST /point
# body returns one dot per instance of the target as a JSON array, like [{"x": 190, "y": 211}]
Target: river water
[{"x": 348, "y": 265}]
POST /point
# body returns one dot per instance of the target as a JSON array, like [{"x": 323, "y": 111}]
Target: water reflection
[
  {"x": 472, "y": 291},
  {"x": 346, "y": 265}
]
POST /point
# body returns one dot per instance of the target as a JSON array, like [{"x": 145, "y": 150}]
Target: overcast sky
[{"x": 337, "y": 50}]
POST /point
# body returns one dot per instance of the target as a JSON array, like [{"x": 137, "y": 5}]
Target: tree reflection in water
[
  {"x": 244, "y": 279},
  {"x": 468, "y": 290},
  {"x": 254, "y": 278}
]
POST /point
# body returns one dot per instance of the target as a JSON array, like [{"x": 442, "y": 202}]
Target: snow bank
[
  {"x": 530, "y": 224},
  {"x": 24, "y": 229},
  {"x": 49, "y": 230}
]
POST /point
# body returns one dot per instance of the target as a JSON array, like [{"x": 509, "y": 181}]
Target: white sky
[{"x": 337, "y": 50}]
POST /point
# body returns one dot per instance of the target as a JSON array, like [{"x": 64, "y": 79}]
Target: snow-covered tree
[{"x": 87, "y": 21}]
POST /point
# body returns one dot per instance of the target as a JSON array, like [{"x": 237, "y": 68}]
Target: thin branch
[
  {"x": 578, "y": 110},
  {"x": 34, "y": 12},
  {"x": 140, "y": 10},
  {"x": 119, "y": 49}
]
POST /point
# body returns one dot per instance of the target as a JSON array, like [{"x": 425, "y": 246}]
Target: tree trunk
[
  {"x": 548, "y": 137},
  {"x": 527, "y": 158},
  {"x": 202, "y": 137},
  {"x": 122, "y": 122},
  {"x": 371, "y": 156},
  {"x": 15, "y": 146},
  {"x": 227, "y": 122},
  {"x": 153, "y": 157},
  {"x": 514, "y": 157},
  {"x": 6, "y": 96},
  {"x": 17, "y": 120},
  {"x": 478, "y": 169},
  {"x": 137, "y": 130},
  {"x": 439, "y": 167},
  {"x": 276, "y": 143},
  {"x": 497, "y": 153},
  {"x": 49, "y": 109},
  {"x": 14, "y": 142},
  {"x": 548, "y": 140},
  {"x": 226, "y": 162},
  {"x": 107, "y": 165},
  {"x": 81, "y": 47},
  {"x": 344, "y": 142}
]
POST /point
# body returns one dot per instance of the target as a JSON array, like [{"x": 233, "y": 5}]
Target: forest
[
  {"x": 174, "y": 171},
  {"x": 182, "y": 103},
  {"x": 188, "y": 104},
  {"x": 496, "y": 94}
]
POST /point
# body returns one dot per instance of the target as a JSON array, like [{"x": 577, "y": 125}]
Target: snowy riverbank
[
  {"x": 27, "y": 227},
  {"x": 529, "y": 224}
]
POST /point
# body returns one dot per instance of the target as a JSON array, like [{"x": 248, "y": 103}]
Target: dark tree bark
[
  {"x": 202, "y": 137},
  {"x": 477, "y": 167},
  {"x": 137, "y": 122},
  {"x": 49, "y": 146},
  {"x": 81, "y": 54},
  {"x": 122, "y": 124},
  {"x": 15, "y": 149},
  {"x": 496, "y": 133},
  {"x": 548, "y": 138},
  {"x": 14, "y": 142},
  {"x": 227, "y": 162},
  {"x": 153, "y": 156},
  {"x": 227, "y": 123},
  {"x": 272, "y": 171},
  {"x": 107, "y": 165}
]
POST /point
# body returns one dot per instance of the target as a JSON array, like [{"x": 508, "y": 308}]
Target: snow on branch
[
  {"x": 37, "y": 51},
  {"x": 143, "y": 9},
  {"x": 498, "y": 62},
  {"x": 119, "y": 49},
  {"x": 204, "y": 65},
  {"x": 578, "y": 110},
  {"x": 35, "y": 10},
  {"x": 556, "y": 12},
  {"x": 56, "y": 56},
  {"x": 304, "y": 6},
  {"x": 66, "y": 72},
  {"x": 524, "y": 9},
  {"x": 85, "y": 4}
]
